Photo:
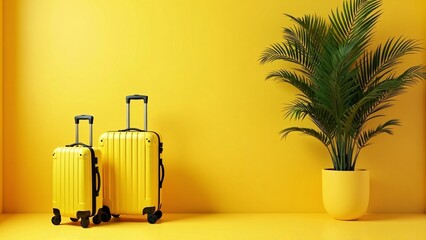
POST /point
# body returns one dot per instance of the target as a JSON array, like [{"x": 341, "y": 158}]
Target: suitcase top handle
[
  {"x": 77, "y": 119},
  {"x": 137, "y": 97},
  {"x": 83, "y": 117}
]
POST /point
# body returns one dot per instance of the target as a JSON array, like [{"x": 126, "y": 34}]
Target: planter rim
[{"x": 333, "y": 170}]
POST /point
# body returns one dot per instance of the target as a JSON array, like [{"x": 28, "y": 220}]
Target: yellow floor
[{"x": 220, "y": 226}]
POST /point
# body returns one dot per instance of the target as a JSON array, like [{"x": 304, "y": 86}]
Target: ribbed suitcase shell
[
  {"x": 131, "y": 171},
  {"x": 72, "y": 181}
]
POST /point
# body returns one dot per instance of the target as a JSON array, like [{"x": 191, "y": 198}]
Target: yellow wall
[
  {"x": 197, "y": 60},
  {"x": 1, "y": 107}
]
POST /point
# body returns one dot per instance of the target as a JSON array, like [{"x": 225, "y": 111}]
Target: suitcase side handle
[
  {"x": 98, "y": 178},
  {"x": 136, "y": 97},
  {"x": 77, "y": 119},
  {"x": 162, "y": 173}
]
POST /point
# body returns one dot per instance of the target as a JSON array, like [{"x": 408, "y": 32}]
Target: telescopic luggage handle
[
  {"x": 77, "y": 119},
  {"x": 136, "y": 97},
  {"x": 83, "y": 117}
]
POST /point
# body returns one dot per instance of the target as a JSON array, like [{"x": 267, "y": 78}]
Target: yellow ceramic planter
[{"x": 346, "y": 193}]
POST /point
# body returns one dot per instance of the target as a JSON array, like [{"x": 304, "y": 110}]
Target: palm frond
[
  {"x": 309, "y": 131},
  {"x": 374, "y": 65},
  {"x": 413, "y": 75},
  {"x": 277, "y": 51},
  {"x": 323, "y": 119},
  {"x": 355, "y": 22},
  {"x": 307, "y": 33},
  {"x": 379, "y": 96},
  {"x": 302, "y": 83},
  {"x": 298, "y": 109},
  {"x": 366, "y": 135}
]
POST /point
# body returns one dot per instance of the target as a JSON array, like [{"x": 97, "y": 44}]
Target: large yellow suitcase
[
  {"x": 133, "y": 170},
  {"x": 77, "y": 190}
]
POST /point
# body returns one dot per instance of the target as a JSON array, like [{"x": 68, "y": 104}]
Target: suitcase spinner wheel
[
  {"x": 85, "y": 222},
  {"x": 153, "y": 217},
  {"x": 56, "y": 220},
  {"x": 159, "y": 214},
  {"x": 97, "y": 219},
  {"x": 106, "y": 214}
]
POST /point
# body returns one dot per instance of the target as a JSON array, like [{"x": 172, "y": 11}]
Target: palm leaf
[
  {"x": 356, "y": 22},
  {"x": 373, "y": 66},
  {"x": 309, "y": 131},
  {"x": 366, "y": 135},
  {"x": 299, "y": 81},
  {"x": 298, "y": 109}
]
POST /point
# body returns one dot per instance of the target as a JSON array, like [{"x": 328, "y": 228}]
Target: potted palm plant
[{"x": 344, "y": 83}]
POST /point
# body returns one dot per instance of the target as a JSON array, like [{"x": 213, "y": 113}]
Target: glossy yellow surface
[
  {"x": 1, "y": 107},
  {"x": 219, "y": 118},
  {"x": 131, "y": 171},
  {"x": 346, "y": 194},
  {"x": 72, "y": 181},
  {"x": 221, "y": 226}
]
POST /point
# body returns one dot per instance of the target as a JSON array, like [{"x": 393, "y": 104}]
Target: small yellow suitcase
[
  {"x": 77, "y": 191},
  {"x": 133, "y": 170}
]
